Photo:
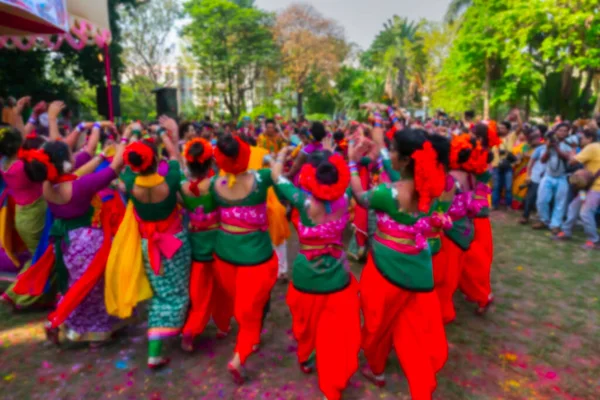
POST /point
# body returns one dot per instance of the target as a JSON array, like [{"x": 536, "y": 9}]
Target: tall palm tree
[{"x": 455, "y": 9}]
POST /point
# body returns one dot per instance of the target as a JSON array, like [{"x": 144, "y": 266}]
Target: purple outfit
[{"x": 89, "y": 321}]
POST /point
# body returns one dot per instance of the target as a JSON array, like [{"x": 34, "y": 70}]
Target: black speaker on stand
[
  {"x": 102, "y": 100},
  {"x": 166, "y": 102}
]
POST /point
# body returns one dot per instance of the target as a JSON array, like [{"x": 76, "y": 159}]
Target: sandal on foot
[
  {"x": 539, "y": 226},
  {"x": 482, "y": 310},
  {"x": 308, "y": 366},
  {"x": 221, "y": 335},
  {"x": 377, "y": 380},
  {"x": 561, "y": 236},
  {"x": 238, "y": 374},
  {"x": 157, "y": 363},
  {"x": 187, "y": 343},
  {"x": 52, "y": 334}
]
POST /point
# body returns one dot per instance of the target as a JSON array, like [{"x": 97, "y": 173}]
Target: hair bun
[
  {"x": 134, "y": 159},
  {"x": 327, "y": 173}
]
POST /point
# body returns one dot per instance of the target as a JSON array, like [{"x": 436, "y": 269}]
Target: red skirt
[
  {"x": 207, "y": 298},
  {"x": 247, "y": 290},
  {"x": 328, "y": 324},
  {"x": 410, "y": 322},
  {"x": 477, "y": 266},
  {"x": 447, "y": 270}
]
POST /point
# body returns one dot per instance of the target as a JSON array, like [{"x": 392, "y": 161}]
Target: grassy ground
[{"x": 539, "y": 341}]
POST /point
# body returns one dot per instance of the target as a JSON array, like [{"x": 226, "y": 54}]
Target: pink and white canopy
[{"x": 27, "y": 24}]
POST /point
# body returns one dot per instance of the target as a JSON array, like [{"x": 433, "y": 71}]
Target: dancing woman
[
  {"x": 81, "y": 243},
  {"x": 31, "y": 207},
  {"x": 475, "y": 281},
  {"x": 245, "y": 263},
  {"x": 396, "y": 288},
  {"x": 323, "y": 294},
  {"x": 206, "y": 295},
  {"x": 151, "y": 255},
  {"x": 466, "y": 157}
]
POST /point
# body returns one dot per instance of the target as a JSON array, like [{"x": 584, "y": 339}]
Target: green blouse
[
  {"x": 203, "y": 235},
  {"x": 409, "y": 271},
  {"x": 324, "y": 273},
  {"x": 243, "y": 238},
  {"x": 155, "y": 211}
]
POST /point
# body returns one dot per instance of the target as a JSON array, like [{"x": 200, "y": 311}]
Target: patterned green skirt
[{"x": 169, "y": 304}]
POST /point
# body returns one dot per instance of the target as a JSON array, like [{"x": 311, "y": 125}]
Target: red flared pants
[
  {"x": 475, "y": 278},
  {"x": 207, "y": 299},
  {"x": 410, "y": 322},
  {"x": 328, "y": 324},
  {"x": 248, "y": 289},
  {"x": 447, "y": 270}
]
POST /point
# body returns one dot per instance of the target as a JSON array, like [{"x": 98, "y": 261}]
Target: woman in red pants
[
  {"x": 475, "y": 281},
  {"x": 400, "y": 308},
  {"x": 245, "y": 264},
  {"x": 465, "y": 157},
  {"x": 323, "y": 294},
  {"x": 206, "y": 295}
]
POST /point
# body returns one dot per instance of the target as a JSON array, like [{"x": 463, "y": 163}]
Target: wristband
[
  {"x": 32, "y": 120},
  {"x": 377, "y": 117},
  {"x": 97, "y": 125},
  {"x": 353, "y": 168},
  {"x": 124, "y": 140},
  {"x": 80, "y": 127}
]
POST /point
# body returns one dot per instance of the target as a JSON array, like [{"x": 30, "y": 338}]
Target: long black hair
[{"x": 406, "y": 142}]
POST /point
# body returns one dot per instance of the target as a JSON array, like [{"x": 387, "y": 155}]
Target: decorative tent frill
[{"x": 82, "y": 33}]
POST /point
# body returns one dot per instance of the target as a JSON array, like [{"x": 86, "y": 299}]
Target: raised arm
[
  {"x": 18, "y": 117},
  {"x": 298, "y": 163},
  {"x": 54, "y": 111},
  {"x": 277, "y": 169},
  {"x": 359, "y": 193},
  {"x": 172, "y": 129}
]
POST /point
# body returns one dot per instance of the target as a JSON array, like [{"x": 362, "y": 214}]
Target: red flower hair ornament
[
  {"x": 144, "y": 151},
  {"x": 237, "y": 165},
  {"x": 429, "y": 177},
  {"x": 325, "y": 192},
  {"x": 40, "y": 156},
  {"x": 206, "y": 155},
  {"x": 478, "y": 159}
]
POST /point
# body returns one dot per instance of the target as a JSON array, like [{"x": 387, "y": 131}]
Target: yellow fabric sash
[
  {"x": 149, "y": 181},
  {"x": 126, "y": 283},
  {"x": 7, "y": 234}
]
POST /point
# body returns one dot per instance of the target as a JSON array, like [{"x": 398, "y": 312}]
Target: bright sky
[{"x": 363, "y": 19}]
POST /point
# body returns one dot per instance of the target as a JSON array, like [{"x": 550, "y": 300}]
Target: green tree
[
  {"x": 232, "y": 45},
  {"x": 137, "y": 99},
  {"x": 146, "y": 38},
  {"x": 398, "y": 52}
]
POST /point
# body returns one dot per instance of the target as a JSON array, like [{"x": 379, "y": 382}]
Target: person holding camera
[
  {"x": 587, "y": 181},
  {"x": 554, "y": 187}
]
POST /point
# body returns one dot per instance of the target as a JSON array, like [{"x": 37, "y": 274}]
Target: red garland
[
  {"x": 308, "y": 180},
  {"x": 41, "y": 156},
  {"x": 236, "y": 165},
  {"x": 207, "y": 153},
  {"x": 430, "y": 177},
  {"x": 478, "y": 160},
  {"x": 144, "y": 151}
]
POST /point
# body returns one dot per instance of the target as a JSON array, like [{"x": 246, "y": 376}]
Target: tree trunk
[
  {"x": 597, "y": 86},
  {"x": 300, "y": 103},
  {"x": 527, "y": 106},
  {"x": 486, "y": 90}
]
